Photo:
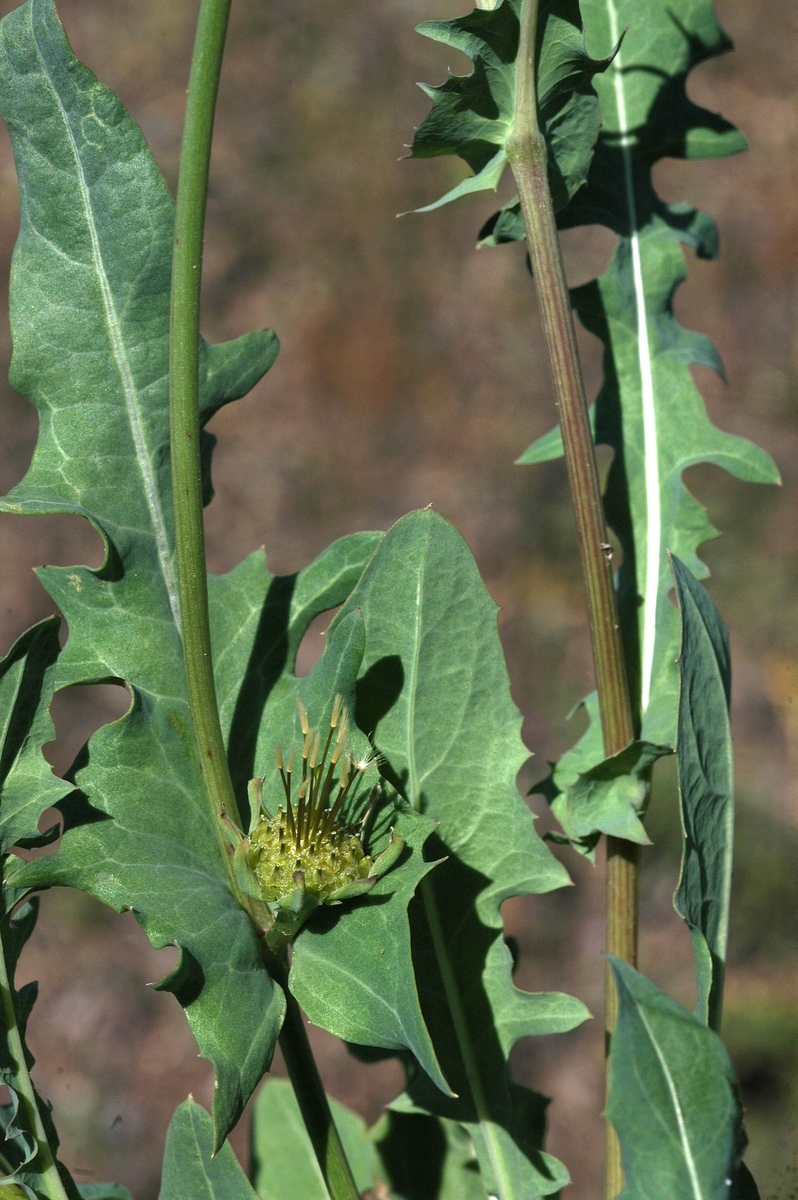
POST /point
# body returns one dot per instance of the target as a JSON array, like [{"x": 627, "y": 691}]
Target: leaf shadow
[
  {"x": 268, "y": 659},
  {"x": 414, "y": 1152},
  {"x": 444, "y": 920}
]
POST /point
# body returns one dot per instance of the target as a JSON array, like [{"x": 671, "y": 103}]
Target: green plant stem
[
  {"x": 526, "y": 151},
  {"x": 50, "y": 1184},
  {"x": 192, "y": 188},
  {"x": 312, "y": 1098}
]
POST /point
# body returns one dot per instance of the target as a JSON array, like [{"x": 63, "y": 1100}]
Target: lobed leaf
[
  {"x": 434, "y": 697},
  {"x": 706, "y": 788},
  {"x": 648, "y": 390},
  {"x": 27, "y": 789},
  {"x": 90, "y": 314},
  {"x": 611, "y": 797},
  {"x": 472, "y": 115},
  {"x": 27, "y": 784},
  {"x": 672, "y": 1098}
]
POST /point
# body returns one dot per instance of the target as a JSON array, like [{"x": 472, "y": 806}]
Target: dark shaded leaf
[
  {"x": 706, "y": 788},
  {"x": 427, "y": 1158},
  {"x": 27, "y": 788}
]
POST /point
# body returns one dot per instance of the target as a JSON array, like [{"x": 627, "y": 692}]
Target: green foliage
[
  {"x": 418, "y": 966},
  {"x": 610, "y": 797},
  {"x": 191, "y": 1168},
  {"x": 97, "y": 372},
  {"x": 283, "y": 1163},
  {"x": 648, "y": 391},
  {"x": 352, "y": 972},
  {"x": 425, "y": 1156},
  {"x": 138, "y": 834},
  {"x": 417, "y": 1157},
  {"x": 706, "y": 788},
  {"x": 434, "y": 696},
  {"x": 673, "y": 1098},
  {"x": 472, "y": 115},
  {"x": 27, "y": 784},
  {"x": 27, "y": 789}
]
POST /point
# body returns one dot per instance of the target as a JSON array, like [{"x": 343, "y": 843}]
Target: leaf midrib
[
  {"x": 677, "y": 1108},
  {"x": 149, "y": 482},
  {"x": 650, "y": 441}
]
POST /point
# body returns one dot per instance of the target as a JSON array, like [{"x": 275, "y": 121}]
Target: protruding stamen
[
  {"x": 332, "y": 815},
  {"x": 300, "y": 811},
  {"x": 322, "y": 805},
  {"x": 278, "y": 758},
  {"x": 375, "y": 793},
  {"x": 338, "y": 704},
  {"x": 314, "y": 752},
  {"x": 336, "y": 713},
  {"x": 289, "y": 813},
  {"x": 304, "y": 724}
]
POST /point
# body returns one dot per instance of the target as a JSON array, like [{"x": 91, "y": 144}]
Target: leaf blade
[
  {"x": 27, "y": 788},
  {"x": 89, "y": 305},
  {"x": 191, "y": 1168},
  {"x": 672, "y": 1097},
  {"x": 433, "y": 662},
  {"x": 648, "y": 391},
  {"x": 472, "y": 115},
  {"x": 706, "y": 788},
  {"x": 283, "y": 1160}
]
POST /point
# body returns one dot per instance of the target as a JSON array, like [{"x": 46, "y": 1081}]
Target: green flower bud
[{"x": 310, "y": 853}]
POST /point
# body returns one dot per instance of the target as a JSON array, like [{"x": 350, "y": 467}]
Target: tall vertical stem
[
  {"x": 526, "y": 151},
  {"x": 206, "y": 66},
  {"x": 314, "y": 1105}
]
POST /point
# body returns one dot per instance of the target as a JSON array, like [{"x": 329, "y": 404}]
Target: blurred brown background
[{"x": 412, "y": 373}]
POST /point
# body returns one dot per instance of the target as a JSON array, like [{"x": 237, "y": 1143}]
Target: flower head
[{"x": 311, "y": 843}]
